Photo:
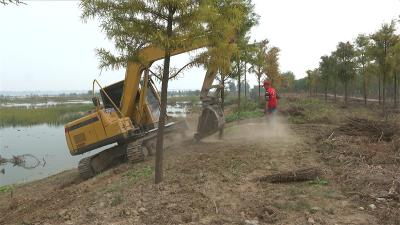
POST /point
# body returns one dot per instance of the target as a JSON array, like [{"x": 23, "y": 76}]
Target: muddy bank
[{"x": 207, "y": 183}]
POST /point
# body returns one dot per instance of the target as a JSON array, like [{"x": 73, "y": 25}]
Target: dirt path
[{"x": 211, "y": 182}]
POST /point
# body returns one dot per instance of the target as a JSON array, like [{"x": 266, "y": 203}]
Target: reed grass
[{"x": 54, "y": 115}]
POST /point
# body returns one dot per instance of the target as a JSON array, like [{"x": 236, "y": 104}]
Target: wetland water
[{"x": 47, "y": 144}]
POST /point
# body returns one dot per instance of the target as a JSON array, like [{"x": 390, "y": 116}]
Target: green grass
[
  {"x": 247, "y": 110},
  {"x": 59, "y": 114},
  {"x": 138, "y": 174},
  {"x": 113, "y": 188},
  {"x": 5, "y": 189},
  {"x": 35, "y": 99},
  {"x": 313, "y": 111},
  {"x": 318, "y": 182}
]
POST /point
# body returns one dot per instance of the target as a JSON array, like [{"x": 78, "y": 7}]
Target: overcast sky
[{"x": 44, "y": 45}]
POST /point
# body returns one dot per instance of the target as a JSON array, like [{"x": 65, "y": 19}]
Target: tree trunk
[
  {"x": 335, "y": 88},
  {"x": 259, "y": 88},
  {"x": 163, "y": 110},
  {"x": 239, "y": 85},
  {"x": 245, "y": 81},
  {"x": 365, "y": 89},
  {"x": 384, "y": 94},
  {"x": 395, "y": 90},
  {"x": 379, "y": 88},
  {"x": 222, "y": 92},
  {"x": 345, "y": 92},
  {"x": 316, "y": 90}
]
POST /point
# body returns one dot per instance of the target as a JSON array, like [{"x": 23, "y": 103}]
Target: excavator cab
[
  {"x": 133, "y": 136},
  {"x": 102, "y": 126}
]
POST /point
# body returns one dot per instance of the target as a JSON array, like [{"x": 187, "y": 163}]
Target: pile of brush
[
  {"x": 376, "y": 130},
  {"x": 293, "y": 111}
]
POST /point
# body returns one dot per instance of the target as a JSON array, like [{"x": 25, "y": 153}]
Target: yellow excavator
[{"x": 127, "y": 119}]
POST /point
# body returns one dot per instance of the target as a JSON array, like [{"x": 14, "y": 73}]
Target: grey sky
[{"x": 45, "y": 46}]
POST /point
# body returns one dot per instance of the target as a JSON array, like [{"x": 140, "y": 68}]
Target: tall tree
[
  {"x": 243, "y": 56},
  {"x": 327, "y": 70},
  {"x": 288, "y": 79},
  {"x": 170, "y": 25},
  {"x": 346, "y": 65},
  {"x": 242, "y": 41},
  {"x": 272, "y": 66},
  {"x": 335, "y": 74},
  {"x": 312, "y": 77},
  {"x": 363, "y": 60},
  {"x": 258, "y": 63},
  {"x": 383, "y": 42},
  {"x": 396, "y": 71}
]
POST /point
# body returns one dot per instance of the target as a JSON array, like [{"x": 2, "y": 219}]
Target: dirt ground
[{"x": 215, "y": 182}]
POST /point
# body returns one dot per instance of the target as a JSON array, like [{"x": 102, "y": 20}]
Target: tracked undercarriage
[{"x": 131, "y": 151}]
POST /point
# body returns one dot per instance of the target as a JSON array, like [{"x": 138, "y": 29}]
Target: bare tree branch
[
  {"x": 194, "y": 62},
  {"x": 16, "y": 2}
]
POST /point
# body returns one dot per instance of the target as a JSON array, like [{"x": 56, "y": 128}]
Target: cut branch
[{"x": 293, "y": 176}]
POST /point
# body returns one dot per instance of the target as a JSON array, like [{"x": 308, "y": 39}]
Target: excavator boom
[{"x": 145, "y": 58}]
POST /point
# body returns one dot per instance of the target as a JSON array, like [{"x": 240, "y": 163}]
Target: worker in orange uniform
[{"x": 272, "y": 98}]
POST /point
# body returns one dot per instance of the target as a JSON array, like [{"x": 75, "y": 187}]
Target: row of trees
[
  {"x": 368, "y": 66},
  {"x": 259, "y": 59}
]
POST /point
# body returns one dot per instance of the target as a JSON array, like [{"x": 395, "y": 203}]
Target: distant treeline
[{"x": 367, "y": 67}]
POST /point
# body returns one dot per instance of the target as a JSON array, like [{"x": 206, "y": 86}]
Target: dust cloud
[{"x": 266, "y": 128}]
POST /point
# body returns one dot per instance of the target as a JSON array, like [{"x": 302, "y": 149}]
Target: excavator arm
[
  {"x": 146, "y": 57},
  {"x": 211, "y": 119}
]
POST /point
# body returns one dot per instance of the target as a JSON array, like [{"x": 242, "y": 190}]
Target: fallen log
[{"x": 292, "y": 176}]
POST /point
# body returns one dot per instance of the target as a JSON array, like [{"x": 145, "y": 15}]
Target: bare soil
[{"x": 215, "y": 182}]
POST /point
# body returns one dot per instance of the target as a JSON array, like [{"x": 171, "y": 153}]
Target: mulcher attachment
[{"x": 212, "y": 118}]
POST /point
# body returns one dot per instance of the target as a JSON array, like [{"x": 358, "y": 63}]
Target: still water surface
[{"x": 47, "y": 143}]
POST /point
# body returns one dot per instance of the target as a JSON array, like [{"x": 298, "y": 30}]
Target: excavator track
[
  {"x": 135, "y": 153},
  {"x": 90, "y": 166},
  {"x": 85, "y": 169}
]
